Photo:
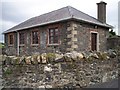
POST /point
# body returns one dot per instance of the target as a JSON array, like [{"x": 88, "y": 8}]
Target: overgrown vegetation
[
  {"x": 112, "y": 33},
  {"x": 1, "y": 45},
  {"x": 51, "y": 57}
]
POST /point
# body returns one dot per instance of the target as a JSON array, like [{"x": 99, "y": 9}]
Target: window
[
  {"x": 22, "y": 38},
  {"x": 35, "y": 37},
  {"x": 53, "y": 36},
  {"x": 11, "y": 39}
]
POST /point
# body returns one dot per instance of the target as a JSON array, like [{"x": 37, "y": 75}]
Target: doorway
[{"x": 94, "y": 41}]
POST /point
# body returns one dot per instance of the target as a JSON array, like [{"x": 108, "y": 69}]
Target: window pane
[
  {"x": 56, "y": 40},
  {"x": 56, "y": 31},
  {"x": 21, "y": 38},
  {"x": 53, "y": 36},
  {"x": 51, "y": 32},
  {"x": 10, "y": 39},
  {"x": 35, "y": 37}
]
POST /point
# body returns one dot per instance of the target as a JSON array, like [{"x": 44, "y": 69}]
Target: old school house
[{"x": 64, "y": 30}]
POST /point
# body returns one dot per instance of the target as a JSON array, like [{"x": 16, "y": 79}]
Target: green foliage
[
  {"x": 1, "y": 45},
  {"x": 112, "y": 33},
  {"x": 8, "y": 72},
  {"x": 50, "y": 57}
]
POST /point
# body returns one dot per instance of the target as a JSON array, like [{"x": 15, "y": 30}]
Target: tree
[{"x": 112, "y": 33}]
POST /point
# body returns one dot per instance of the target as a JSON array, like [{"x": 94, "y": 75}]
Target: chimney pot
[{"x": 101, "y": 12}]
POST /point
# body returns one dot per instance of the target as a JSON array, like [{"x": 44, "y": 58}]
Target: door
[{"x": 94, "y": 41}]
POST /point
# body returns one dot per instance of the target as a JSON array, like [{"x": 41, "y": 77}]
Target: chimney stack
[{"x": 101, "y": 12}]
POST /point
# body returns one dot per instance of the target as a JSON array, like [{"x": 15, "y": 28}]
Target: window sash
[
  {"x": 53, "y": 36},
  {"x": 35, "y": 37},
  {"x": 11, "y": 39},
  {"x": 22, "y": 38}
]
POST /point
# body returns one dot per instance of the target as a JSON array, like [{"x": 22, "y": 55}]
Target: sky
[
  {"x": 119, "y": 18},
  {"x": 13, "y": 12}
]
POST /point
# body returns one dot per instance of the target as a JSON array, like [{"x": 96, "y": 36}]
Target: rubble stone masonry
[{"x": 73, "y": 36}]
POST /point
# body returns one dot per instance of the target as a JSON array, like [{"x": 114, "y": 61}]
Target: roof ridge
[
  {"x": 51, "y": 11},
  {"x": 87, "y": 14},
  {"x": 70, "y": 11}
]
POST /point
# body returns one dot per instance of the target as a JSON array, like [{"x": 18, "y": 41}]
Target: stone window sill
[
  {"x": 34, "y": 44},
  {"x": 10, "y": 45},
  {"x": 53, "y": 44},
  {"x": 22, "y": 45}
]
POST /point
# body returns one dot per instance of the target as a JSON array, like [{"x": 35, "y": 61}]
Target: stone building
[{"x": 64, "y": 30}]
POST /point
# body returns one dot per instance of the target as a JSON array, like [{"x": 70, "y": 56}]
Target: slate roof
[{"x": 65, "y": 13}]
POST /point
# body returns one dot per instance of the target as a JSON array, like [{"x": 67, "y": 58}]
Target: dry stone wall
[{"x": 53, "y": 70}]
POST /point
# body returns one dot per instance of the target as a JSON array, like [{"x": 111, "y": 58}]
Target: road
[{"x": 112, "y": 84}]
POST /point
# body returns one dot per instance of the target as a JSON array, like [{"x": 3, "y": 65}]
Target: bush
[{"x": 1, "y": 45}]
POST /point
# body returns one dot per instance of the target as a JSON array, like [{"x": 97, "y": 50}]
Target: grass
[{"x": 1, "y": 45}]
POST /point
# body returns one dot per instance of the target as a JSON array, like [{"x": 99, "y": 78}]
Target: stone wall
[
  {"x": 79, "y": 36},
  {"x": 70, "y": 70},
  {"x": 113, "y": 43},
  {"x": 43, "y": 46},
  {"x": 84, "y": 36},
  {"x": 73, "y": 36},
  {"x": 10, "y": 50}
]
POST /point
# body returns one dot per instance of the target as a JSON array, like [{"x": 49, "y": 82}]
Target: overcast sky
[{"x": 14, "y": 12}]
